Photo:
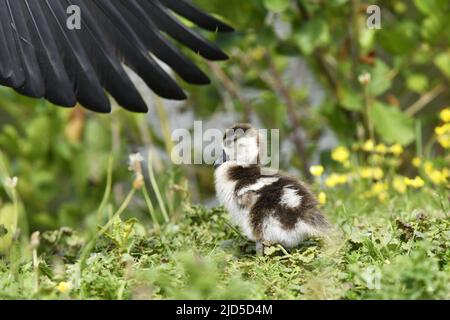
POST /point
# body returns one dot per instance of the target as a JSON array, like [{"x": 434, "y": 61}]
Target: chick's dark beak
[{"x": 220, "y": 160}]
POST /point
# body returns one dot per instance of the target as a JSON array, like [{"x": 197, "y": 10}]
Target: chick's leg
[{"x": 259, "y": 248}]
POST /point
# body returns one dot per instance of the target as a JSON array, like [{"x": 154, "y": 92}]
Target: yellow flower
[
  {"x": 322, "y": 197},
  {"x": 444, "y": 141},
  {"x": 342, "y": 178},
  {"x": 399, "y": 184},
  {"x": 379, "y": 190},
  {"x": 438, "y": 177},
  {"x": 440, "y": 130},
  {"x": 368, "y": 146},
  {"x": 64, "y": 287},
  {"x": 428, "y": 167},
  {"x": 416, "y": 183},
  {"x": 379, "y": 187},
  {"x": 396, "y": 149},
  {"x": 445, "y": 114},
  {"x": 416, "y": 161},
  {"x": 340, "y": 154},
  {"x": 443, "y": 135},
  {"x": 382, "y": 196},
  {"x": 377, "y": 173},
  {"x": 335, "y": 179},
  {"x": 365, "y": 173},
  {"x": 381, "y": 148},
  {"x": 316, "y": 171},
  {"x": 371, "y": 173}
]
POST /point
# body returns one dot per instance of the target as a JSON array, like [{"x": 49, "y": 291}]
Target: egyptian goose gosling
[{"x": 269, "y": 207}]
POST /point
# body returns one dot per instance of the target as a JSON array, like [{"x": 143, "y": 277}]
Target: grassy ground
[{"x": 398, "y": 248}]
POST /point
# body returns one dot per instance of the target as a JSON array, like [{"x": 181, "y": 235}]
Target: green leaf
[
  {"x": 392, "y": 125},
  {"x": 442, "y": 61},
  {"x": 338, "y": 121},
  {"x": 276, "y": 5},
  {"x": 8, "y": 226},
  {"x": 431, "y": 7},
  {"x": 314, "y": 34},
  {"x": 39, "y": 135},
  {"x": 417, "y": 82},
  {"x": 367, "y": 38},
  {"x": 398, "y": 39},
  {"x": 433, "y": 26},
  {"x": 351, "y": 100},
  {"x": 337, "y": 3},
  {"x": 380, "y": 79}
]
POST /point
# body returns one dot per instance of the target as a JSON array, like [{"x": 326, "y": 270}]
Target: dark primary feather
[
  {"x": 166, "y": 22},
  {"x": 33, "y": 84},
  {"x": 48, "y": 57},
  {"x": 11, "y": 71},
  {"x": 42, "y": 58},
  {"x": 200, "y": 18},
  {"x": 78, "y": 63},
  {"x": 158, "y": 46},
  {"x": 106, "y": 65}
]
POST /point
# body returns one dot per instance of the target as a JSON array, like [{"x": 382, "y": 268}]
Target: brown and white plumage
[{"x": 268, "y": 206}]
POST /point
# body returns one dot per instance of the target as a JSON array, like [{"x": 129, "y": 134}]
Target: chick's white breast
[{"x": 225, "y": 189}]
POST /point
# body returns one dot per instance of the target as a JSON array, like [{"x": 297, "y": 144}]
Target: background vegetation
[{"x": 362, "y": 116}]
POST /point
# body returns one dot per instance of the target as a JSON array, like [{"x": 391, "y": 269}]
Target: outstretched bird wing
[{"x": 45, "y": 54}]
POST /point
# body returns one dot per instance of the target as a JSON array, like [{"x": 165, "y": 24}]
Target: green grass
[{"x": 398, "y": 249}]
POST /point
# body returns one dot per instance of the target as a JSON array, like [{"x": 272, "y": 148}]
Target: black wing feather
[
  {"x": 158, "y": 45},
  {"x": 108, "y": 66},
  {"x": 58, "y": 87},
  {"x": 11, "y": 71},
  {"x": 33, "y": 84},
  {"x": 166, "y": 22},
  {"x": 41, "y": 57},
  {"x": 197, "y": 16},
  {"x": 85, "y": 82},
  {"x": 135, "y": 54}
]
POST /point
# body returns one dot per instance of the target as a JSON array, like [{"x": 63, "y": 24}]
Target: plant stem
[
  {"x": 156, "y": 188},
  {"x": 117, "y": 214},
  {"x": 419, "y": 140},
  {"x": 424, "y": 100},
  {"x": 165, "y": 125},
  {"x": 150, "y": 207},
  {"x": 107, "y": 192},
  {"x": 36, "y": 271},
  {"x": 367, "y": 106}
]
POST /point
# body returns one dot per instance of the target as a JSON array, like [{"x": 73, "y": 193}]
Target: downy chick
[{"x": 269, "y": 207}]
